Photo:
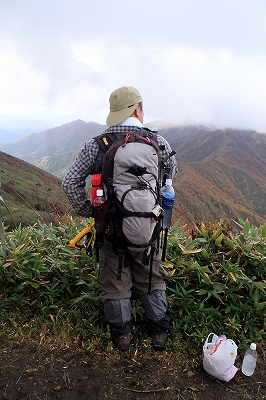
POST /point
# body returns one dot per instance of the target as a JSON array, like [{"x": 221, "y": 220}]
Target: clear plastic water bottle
[
  {"x": 98, "y": 208},
  {"x": 168, "y": 197},
  {"x": 250, "y": 360}
]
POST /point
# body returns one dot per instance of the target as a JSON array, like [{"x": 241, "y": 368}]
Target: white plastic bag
[{"x": 219, "y": 356}]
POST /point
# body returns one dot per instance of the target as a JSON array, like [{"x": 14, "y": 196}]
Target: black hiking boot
[
  {"x": 122, "y": 342},
  {"x": 158, "y": 341}
]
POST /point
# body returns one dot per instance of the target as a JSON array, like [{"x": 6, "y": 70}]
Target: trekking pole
[{"x": 164, "y": 243}]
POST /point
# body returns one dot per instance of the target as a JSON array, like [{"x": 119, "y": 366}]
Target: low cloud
[{"x": 198, "y": 62}]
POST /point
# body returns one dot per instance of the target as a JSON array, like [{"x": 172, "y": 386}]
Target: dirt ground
[{"x": 30, "y": 374}]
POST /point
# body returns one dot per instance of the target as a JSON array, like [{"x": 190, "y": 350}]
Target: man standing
[{"x": 126, "y": 114}]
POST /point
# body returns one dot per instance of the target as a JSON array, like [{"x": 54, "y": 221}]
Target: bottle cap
[
  {"x": 168, "y": 182},
  {"x": 253, "y": 346},
  {"x": 99, "y": 192}
]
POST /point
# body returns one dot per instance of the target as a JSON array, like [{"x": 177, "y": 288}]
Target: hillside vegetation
[
  {"x": 29, "y": 193},
  {"x": 55, "y": 341},
  {"x": 216, "y": 283},
  {"x": 222, "y": 174}
]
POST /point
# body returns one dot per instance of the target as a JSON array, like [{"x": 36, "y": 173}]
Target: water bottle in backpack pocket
[
  {"x": 98, "y": 205},
  {"x": 168, "y": 197}
]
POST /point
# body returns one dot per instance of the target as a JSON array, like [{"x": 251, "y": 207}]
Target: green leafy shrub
[
  {"x": 216, "y": 283},
  {"x": 41, "y": 276}
]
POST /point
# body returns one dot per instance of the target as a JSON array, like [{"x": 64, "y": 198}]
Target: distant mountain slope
[
  {"x": 12, "y": 136},
  {"x": 56, "y": 164},
  {"x": 5, "y": 135},
  {"x": 222, "y": 173},
  {"x": 62, "y": 139},
  {"x": 54, "y": 149},
  {"x": 30, "y": 193},
  {"x": 14, "y": 128}
]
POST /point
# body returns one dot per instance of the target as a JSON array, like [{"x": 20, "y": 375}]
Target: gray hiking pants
[{"x": 116, "y": 293}]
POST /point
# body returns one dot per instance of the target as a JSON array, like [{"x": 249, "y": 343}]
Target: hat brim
[{"x": 116, "y": 117}]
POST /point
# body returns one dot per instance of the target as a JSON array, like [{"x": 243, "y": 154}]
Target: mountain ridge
[
  {"x": 57, "y": 140},
  {"x": 222, "y": 173}
]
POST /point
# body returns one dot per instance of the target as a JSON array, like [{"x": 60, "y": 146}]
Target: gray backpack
[{"x": 131, "y": 175}]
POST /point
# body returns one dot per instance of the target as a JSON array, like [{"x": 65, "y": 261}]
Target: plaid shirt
[{"x": 74, "y": 181}]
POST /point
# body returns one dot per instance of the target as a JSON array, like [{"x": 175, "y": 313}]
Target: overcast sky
[{"x": 193, "y": 61}]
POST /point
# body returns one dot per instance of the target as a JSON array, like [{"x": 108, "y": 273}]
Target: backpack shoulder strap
[
  {"x": 146, "y": 132},
  {"x": 105, "y": 140}
]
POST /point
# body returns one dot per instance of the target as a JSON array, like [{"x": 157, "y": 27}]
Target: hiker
[{"x": 126, "y": 115}]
